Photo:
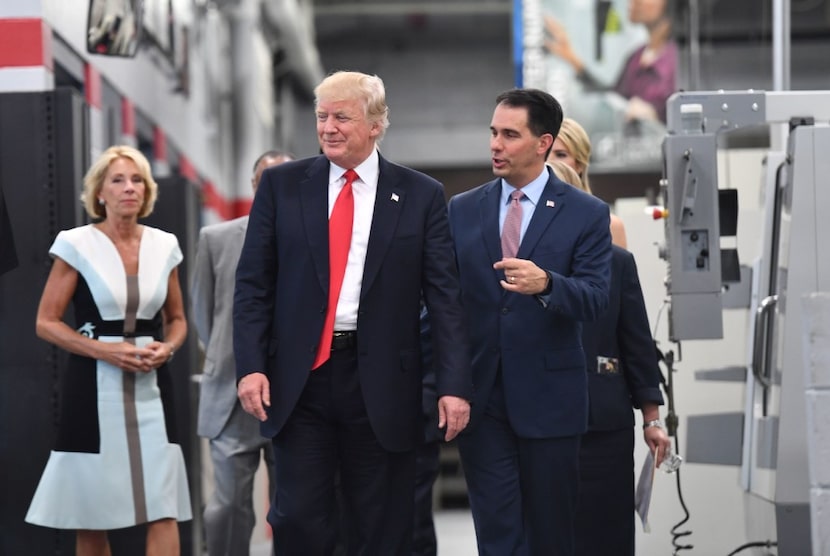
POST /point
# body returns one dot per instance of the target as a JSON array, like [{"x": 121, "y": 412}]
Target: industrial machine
[{"x": 705, "y": 277}]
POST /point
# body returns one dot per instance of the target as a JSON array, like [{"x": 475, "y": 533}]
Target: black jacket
[{"x": 620, "y": 353}]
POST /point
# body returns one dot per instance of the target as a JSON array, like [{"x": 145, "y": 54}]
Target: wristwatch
[
  {"x": 655, "y": 423},
  {"x": 549, "y": 286}
]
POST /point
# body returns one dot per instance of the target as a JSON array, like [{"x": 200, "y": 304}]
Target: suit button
[{"x": 504, "y": 310}]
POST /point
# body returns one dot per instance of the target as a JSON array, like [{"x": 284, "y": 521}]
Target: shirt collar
[
  {"x": 533, "y": 190},
  {"x": 367, "y": 170}
]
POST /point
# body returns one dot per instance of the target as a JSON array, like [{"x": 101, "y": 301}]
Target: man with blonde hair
[{"x": 340, "y": 250}]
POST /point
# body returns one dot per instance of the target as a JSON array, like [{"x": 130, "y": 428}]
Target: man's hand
[
  {"x": 254, "y": 392},
  {"x": 454, "y": 413},
  {"x": 522, "y": 276}
]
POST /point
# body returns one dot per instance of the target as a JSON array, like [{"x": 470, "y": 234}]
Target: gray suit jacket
[{"x": 212, "y": 300}]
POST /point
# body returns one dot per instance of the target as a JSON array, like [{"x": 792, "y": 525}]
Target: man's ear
[
  {"x": 545, "y": 143},
  {"x": 375, "y": 131}
]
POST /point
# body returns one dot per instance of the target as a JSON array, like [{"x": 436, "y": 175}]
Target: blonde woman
[
  {"x": 572, "y": 147},
  {"x": 116, "y": 462}
]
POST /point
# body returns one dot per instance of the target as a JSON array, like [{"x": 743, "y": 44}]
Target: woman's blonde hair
[
  {"x": 353, "y": 85},
  {"x": 94, "y": 181},
  {"x": 568, "y": 175},
  {"x": 576, "y": 140}
]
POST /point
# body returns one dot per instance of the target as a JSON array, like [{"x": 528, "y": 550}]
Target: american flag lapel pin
[
  {"x": 550, "y": 203},
  {"x": 395, "y": 197}
]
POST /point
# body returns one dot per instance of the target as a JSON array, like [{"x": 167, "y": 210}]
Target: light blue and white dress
[{"x": 116, "y": 461}]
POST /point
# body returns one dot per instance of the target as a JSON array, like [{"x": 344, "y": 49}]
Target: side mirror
[{"x": 114, "y": 27}]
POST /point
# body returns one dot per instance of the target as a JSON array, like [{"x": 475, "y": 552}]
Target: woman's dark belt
[{"x": 143, "y": 327}]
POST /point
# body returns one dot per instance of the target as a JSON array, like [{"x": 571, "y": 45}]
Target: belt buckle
[{"x": 342, "y": 339}]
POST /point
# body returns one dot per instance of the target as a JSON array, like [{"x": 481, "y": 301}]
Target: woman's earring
[{"x": 100, "y": 201}]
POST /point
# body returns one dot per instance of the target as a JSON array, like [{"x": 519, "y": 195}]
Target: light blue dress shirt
[{"x": 533, "y": 191}]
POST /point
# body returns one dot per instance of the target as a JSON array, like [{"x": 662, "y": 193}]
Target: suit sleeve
[
  {"x": 583, "y": 294},
  {"x": 429, "y": 399},
  {"x": 637, "y": 352},
  {"x": 442, "y": 295},
  {"x": 201, "y": 292},
  {"x": 254, "y": 293}
]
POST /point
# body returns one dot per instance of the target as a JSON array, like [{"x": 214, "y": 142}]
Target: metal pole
[
  {"x": 780, "y": 64},
  {"x": 781, "y": 30},
  {"x": 694, "y": 46}
]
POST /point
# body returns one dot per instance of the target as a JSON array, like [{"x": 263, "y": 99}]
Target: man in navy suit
[
  {"x": 520, "y": 453},
  {"x": 353, "y": 408}
]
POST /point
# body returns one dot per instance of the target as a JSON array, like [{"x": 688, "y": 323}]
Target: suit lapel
[
  {"x": 314, "y": 195},
  {"x": 389, "y": 202},
  {"x": 489, "y": 213},
  {"x": 550, "y": 205}
]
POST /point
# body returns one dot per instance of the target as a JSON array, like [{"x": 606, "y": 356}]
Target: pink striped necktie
[{"x": 512, "y": 229}]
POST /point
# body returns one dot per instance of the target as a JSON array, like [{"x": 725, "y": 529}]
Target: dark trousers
[
  {"x": 522, "y": 491},
  {"x": 605, "y": 509},
  {"x": 424, "y": 542},
  {"x": 329, "y": 432}
]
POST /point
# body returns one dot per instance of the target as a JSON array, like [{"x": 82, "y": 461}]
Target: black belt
[
  {"x": 343, "y": 340},
  {"x": 143, "y": 327}
]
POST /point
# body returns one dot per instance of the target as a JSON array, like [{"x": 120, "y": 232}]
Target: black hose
[
  {"x": 765, "y": 544},
  {"x": 671, "y": 425}
]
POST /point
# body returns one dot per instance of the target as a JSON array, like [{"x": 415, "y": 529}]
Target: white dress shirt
[{"x": 365, "y": 189}]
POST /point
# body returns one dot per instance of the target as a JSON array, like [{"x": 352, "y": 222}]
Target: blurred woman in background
[{"x": 649, "y": 75}]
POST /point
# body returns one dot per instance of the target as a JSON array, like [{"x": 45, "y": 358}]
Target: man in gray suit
[{"x": 236, "y": 444}]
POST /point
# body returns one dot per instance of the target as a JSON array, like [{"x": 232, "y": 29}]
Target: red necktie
[
  {"x": 340, "y": 237},
  {"x": 511, "y": 230}
]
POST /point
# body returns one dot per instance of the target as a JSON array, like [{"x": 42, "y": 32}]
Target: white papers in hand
[{"x": 642, "y": 497}]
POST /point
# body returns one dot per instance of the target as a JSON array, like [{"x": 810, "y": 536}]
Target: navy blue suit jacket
[
  {"x": 281, "y": 294},
  {"x": 539, "y": 348},
  {"x": 622, "y": 334}
]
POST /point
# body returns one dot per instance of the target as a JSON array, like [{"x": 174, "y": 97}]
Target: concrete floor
[{"x": 454, "y": 528}]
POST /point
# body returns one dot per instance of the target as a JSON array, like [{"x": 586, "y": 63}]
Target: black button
[{"x": 504, "y": 310}]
